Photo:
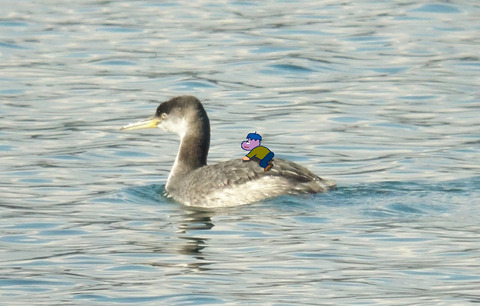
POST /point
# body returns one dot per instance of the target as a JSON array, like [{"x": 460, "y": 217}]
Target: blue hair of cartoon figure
[{"x": 254, "y": 136}]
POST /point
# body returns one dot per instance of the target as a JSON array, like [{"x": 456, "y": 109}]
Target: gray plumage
[{"x": 192, "y": 182}]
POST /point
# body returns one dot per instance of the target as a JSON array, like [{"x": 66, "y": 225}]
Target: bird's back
[{"x": 236, "y": 182}]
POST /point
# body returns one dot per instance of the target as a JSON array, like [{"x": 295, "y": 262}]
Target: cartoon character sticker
[{"x": 252, "y": 144}]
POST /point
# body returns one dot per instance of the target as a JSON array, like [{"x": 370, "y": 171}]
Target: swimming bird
[{"x": 194, "y": 183}]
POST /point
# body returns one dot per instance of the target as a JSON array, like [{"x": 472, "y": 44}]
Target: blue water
[{"x": 381, "y": 97}]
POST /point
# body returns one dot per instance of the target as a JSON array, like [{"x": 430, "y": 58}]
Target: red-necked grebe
[{"x": 194, "y": 183}]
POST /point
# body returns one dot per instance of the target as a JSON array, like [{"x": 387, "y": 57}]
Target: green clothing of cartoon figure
[{"x": 260, "y": 152}]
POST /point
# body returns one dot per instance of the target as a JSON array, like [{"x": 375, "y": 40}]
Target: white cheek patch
[{"x": 177, "y": 126}]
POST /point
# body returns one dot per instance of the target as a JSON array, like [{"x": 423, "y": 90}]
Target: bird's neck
[{"x": 193, "y": 151}]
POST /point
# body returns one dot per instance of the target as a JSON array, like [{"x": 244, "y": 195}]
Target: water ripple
[{"x": 381, "y": 97}]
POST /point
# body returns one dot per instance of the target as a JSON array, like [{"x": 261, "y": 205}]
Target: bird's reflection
[
  {"x": 191, "y": 228},
  {"x": 190, "y": 240}
]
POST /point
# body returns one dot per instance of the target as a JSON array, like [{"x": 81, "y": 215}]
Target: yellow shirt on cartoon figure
[{"x": 259, "y": 152}]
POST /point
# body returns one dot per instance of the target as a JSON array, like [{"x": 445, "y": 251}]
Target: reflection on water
[
  {"x": 381, "y": 97},
  {"x": 195, "y": 221}
]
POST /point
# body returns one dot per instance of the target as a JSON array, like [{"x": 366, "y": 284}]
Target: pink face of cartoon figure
[{"x": 250, "y": 144}]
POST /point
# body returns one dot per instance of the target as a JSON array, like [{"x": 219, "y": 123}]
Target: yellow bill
[{"x": 144, "y": 124}]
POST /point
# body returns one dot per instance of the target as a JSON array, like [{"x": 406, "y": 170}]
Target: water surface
[{"x": 381, "y": 97}]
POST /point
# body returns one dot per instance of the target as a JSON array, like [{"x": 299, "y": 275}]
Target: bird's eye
[{"x": 164, "y": 115}]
